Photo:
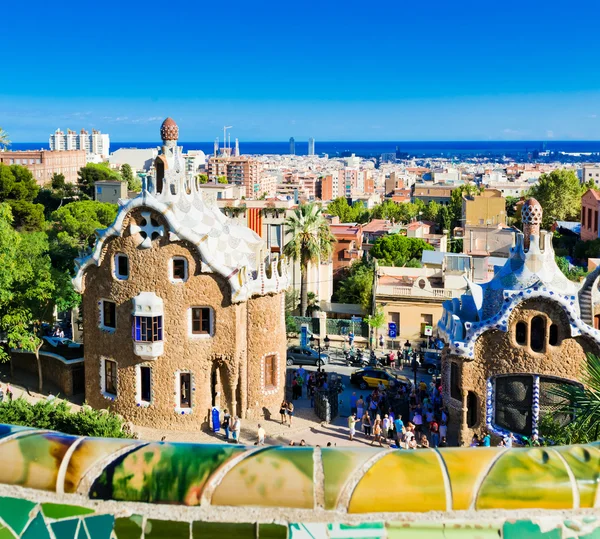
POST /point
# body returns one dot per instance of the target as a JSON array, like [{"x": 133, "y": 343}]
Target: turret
[{"x": 531, "y": 215}]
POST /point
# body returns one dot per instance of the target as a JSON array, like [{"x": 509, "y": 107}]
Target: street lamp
[{"x": 312, "y": 340}]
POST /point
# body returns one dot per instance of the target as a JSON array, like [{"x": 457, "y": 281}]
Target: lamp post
[{"x": 312, "y": 340}]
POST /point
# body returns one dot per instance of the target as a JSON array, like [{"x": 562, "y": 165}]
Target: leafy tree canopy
[
  {"x": 357, "y": 286},
  {"x": 18, "y": 188},
  {"x": 357, "y": 213},
  {"x": 95, "y": 172},
  {"x": 398, "y": 250},
  {"x": 202, "y": 178},
  {"x": 222, "y": 179},
  {"x": 133, "y": 182}
]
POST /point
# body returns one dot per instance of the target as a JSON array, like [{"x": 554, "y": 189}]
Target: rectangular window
[
  {"x": 147, "y": 329},
  {"x": 145, "y": 379},
  {"x": 179, "y": 270},
  {"x": 110, "y": 376},
  {"x": 122, "y": 266},
  {"x": 201, "y": 320},
  {"x": 185, "y": 386},
  {"x": 513, "y": 402},
  {"x": 590, "y": 218},
  {"x": 455, "y": 392},
  {"x": 109, "y": 314},
  {"x": 270, "y": 372},
  {"x": 274, "y": 237},
  {"x": 583, "y": 217},
  {"x": 596, "y": 221}
]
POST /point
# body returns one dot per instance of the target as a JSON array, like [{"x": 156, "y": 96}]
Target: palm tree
[
  {"x": 311, "y": 240},
  {"x": 313, "y": 304},
  {"x": 4, "y": 140}
]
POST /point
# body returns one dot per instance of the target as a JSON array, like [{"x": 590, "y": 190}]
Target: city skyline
[{"x": 435, "y": 72}]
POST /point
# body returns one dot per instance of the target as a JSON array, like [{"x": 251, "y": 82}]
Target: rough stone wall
[
  {"x": 223, "y": 353},
  {"x": 498, "y": 353},
  {"x": 53, "y": 370}
]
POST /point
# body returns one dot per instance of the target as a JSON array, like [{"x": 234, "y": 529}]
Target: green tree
[
  {"x": 444, "y": 219},
  {"x": 376, "y": 322},
  {"x": 202, "y": 178},
  {"x": 341, "y": 208},
  {"x": 133, "y": 182},
  {"x": 454, "y": 207},
  {"x": 574, "y": 273},
  {"x": 313, "y": 304},
  {"x": 4, "y": 139},
  {"x": 18, "y": 188},
  {"x": 431, "y": 211},
  {"x": 357, "y": 286},
  {"x": 222, "y": 179},
  {"x": 95, "y": 172},
  {"x": 311, "y": 240},
  {"x": 398, "y": 250},
  {"x": 559, "y": 192}
]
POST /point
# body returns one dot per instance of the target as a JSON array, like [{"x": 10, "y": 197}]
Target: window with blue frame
[{"x": 147, "y": 328}]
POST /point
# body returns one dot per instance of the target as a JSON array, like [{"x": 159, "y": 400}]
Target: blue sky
[{"x": 387, "y": 70}]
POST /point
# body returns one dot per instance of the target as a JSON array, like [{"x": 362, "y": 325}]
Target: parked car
[
  {"x": 301, "y": 355},
  {"x": 370, "y": 377},
  {"x": 432, "y": 362}
]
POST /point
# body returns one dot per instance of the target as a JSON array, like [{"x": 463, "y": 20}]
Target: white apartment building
[
  {"x": 139, "y": 159},
  {"x": 94, "y": 144}
]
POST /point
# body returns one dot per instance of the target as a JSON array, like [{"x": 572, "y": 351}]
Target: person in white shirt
[
  {"x": 261, "y": 435},
  {"x": 385, "y": 426},
  {"x": 236, "y": 429}
]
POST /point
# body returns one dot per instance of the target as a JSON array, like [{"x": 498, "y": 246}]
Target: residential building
[
  {"x": 241, "y": 170},
  {"x": 139, "y": 159},
  {"x": 590, "y": 206},
  {"x": 94, "y": 143},
  {"x": 348, "y": 246},
  {"x": 446, "y": 175},
  {"x": 487, "y": 240},
  {"x": 110, "y": 191},
  {"x": 44, "y": 164},
  {"x": 513, "y": 339},
  {"x": 442, "y": 194},
  {"x": 292, "y": 146},
  {"x": 180, "y": 313},
  {"x": 412, "y": 298},
  {"x": 485, "y": 209},
  {"x": 311, "y": 146},
  {"x": 590, "y": 172}
]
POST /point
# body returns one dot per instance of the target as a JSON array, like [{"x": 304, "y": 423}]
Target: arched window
[
  {"x": 521, "y": 333},
  {"x": 553, "y": 338},
  {"x": 537, "y": 338},
  {"x": 472, "y": 411}
]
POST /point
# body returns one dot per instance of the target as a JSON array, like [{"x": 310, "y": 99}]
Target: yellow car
[{"x": 370, "y": 377}]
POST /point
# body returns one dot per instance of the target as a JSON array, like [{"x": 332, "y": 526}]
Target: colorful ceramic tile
[
  {"x": 220, "y": 530},
  {"x": 526, "y": 478},
  {"x": 160, "y": 529},
  {"x": 272, "y": 531},
  {"x": 57, "y": 510},
  {"x": 466, "y": 467},
  {"x": 16, "y": 512},
  {"x": 338, "y": 465},
  {"x": 162, "y": 473},
  {"x": 584, "y": 462},
  {"x": 525, "y": 529},
  {"x": 65, "y": 529},
  {"x": 82, "y": 533},
  {"x": 368, "y": 530},
  {"x": 414, "y": 530},
  {"x": 273, "y": 477},
  {"x": 401, "y": 481},
  {"x": 34, "y": 458},
  {"x": 7, "y": 430},
  {"x": 5, "y": 533},
  {"x": 88, "y": 453},
  {"x": 474, "y": 529},
  {"x": 99, "y": 526},
  {"x": 309, "y": 530},
  {"x": 129, "y": 528},
  {"x": 36, "y": 529}
]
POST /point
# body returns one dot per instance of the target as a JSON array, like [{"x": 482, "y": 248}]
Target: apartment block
[{"x": 44, "y": 164}]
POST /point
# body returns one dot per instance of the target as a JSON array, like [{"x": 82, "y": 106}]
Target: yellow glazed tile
[
  {"x": 409, "y": 481},
  {"x": 584, "y": 462},
  {"x": 274, "y": 477},
  {"x": 338, "y": 465},
  {"x": 465, "y": 466},
  {"x": 34, "y": 460},
  {"x": 88, "y": 453},
  {"x": 526, "y": 478}
]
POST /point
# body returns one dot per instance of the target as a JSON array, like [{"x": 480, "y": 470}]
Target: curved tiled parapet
[{"x": 135, "y": 487}]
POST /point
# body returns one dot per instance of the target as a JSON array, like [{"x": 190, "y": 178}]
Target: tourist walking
[
  {"x": 283, "y": 411},
  {"x": 435, "y": 433},
  {"x": 236, "y": 429},
  {"x": 290, "y": 413},
  {"x": 261, "y": 435},
  {"x": 360, "y": 407},
  {"x": 377, "y": 431},
  {"x": 366, "y": 422},
  {"x": 353, "y": 406},
  {"x": 351, "y": 426},
  {"x": 226, "y": 423}
]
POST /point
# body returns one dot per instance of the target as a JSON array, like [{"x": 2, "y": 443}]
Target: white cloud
[{"x": 550, "y": 133}]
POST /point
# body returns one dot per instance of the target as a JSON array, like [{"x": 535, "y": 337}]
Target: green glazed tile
[
  {"x": 15, "y": 512},
  {"x": 162, "y": 473},
  {"x": 161, "y": 529},
  {"x": 82, "y": 534},
  {"x": 56, "y": 510},
  {"x": 526, "y": 478},
  {"x": 272, "y": 531},
  {"x": 273, "y": 477},
  {"x": 368, "y": 530},
  {"x": 35, "y": 459},
  {"x": 220, "y": 530},
  {"x": 308, "y": 530},
  {"x": 472, "y": 529},
  {"x": 5, "y": 533},
  {"x": 100, "y": 526},
  {"x": 338, "y": 465},
  {"x": 36, "y": 529},
  {"x": 65, "y": 529},
  {"x": 414, "y": 530},
  {"x": 592, "y": 535},
  {"x": 525, "y": 529},
  {"x": 584, "y": 461},
  {"x": 129, "y": 528}
]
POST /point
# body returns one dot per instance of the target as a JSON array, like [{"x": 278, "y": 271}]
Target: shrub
[{"x": 57, "y": 415}]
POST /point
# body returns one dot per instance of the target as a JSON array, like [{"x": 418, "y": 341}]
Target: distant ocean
[{"x": 374, "y": 149}]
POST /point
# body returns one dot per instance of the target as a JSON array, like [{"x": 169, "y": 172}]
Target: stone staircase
[{"x": 585, "y": 298}]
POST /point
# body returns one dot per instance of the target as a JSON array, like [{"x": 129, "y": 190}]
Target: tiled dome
[
  {"x": 531, "y": 212},
  {"x": 169, "y": 130}
]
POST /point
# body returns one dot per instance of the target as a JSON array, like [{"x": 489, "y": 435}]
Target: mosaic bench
[{"x": 57, "y": 486}]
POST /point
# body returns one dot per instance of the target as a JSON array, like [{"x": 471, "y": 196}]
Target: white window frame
[
  {"x": 106, "y": 394},
  {"x": 138, "y": 386},
  {"x": 208, "y": 335},
  {"x": 116, "y": 273},
  {"x": 101, "y": 315},
  {"x": 172, "y": 278},
  {"x": 178, "y": 409}
]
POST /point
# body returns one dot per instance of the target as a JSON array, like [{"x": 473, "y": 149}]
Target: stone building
[
  {"x": 512, "y": 339},
  {"x": 180, "y": 312}
]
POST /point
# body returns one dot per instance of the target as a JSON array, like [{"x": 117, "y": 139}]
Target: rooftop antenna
[{"x": 225, "y": 128}]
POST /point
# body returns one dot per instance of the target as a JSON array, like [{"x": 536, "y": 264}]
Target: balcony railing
[{"x": 411, "y": 291}]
